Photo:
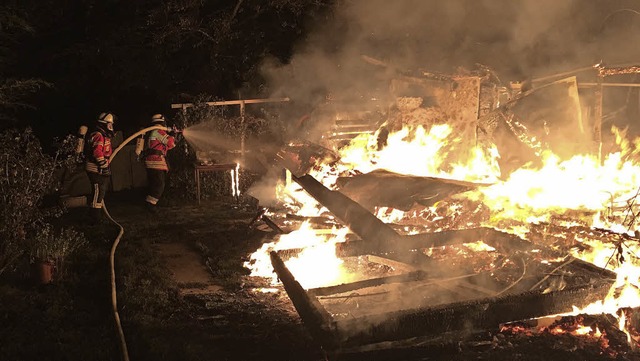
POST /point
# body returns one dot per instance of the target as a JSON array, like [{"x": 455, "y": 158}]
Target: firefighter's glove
[{"x": 103, "y": 164}]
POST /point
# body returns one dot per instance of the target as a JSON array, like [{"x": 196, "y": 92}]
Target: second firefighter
[{"x": 158, "y": 143}]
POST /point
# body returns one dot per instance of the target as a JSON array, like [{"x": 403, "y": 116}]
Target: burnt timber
[
  {"x": 468, "y": 306},
  {"x": 457, "y": 317}
]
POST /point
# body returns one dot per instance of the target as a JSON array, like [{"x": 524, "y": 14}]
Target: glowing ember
[{"x": 479, "y": 246}]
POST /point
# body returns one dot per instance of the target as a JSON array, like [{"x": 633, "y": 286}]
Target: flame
[
  {"x": 576, "y": 184},
  {"x": 413, "y": 150},
  {"x": 235, "y": 181},
  {"x": 389, "y": 215},
  {"x": 298, "y": 201},
  {"x": 315, "y": 266},
  {"x": 604, "y": 191}
]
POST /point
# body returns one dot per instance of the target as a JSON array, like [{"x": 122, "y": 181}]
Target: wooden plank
[
  {"x": 467, "y": 316},
  {"x": 232, "y": 102},
  {"x": 315, "y": 317},
  {"x": 396, "y": 265},
  {"x": 346, "y": 287}
]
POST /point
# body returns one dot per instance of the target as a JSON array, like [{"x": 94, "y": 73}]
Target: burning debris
[
  {"x": 424, "y": 229},
  {"x": 443, "y": 292}
]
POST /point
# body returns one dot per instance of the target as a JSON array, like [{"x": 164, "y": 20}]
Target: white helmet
[
  {"x": 157, "y": 118},
  {"x": 106, "y": 118},
  {"x": 105, "y": 121}
]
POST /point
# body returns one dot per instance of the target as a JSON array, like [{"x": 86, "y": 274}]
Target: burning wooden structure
[
  {"x": 427, "y": 285},
  {"x": 435, "y": 271}
]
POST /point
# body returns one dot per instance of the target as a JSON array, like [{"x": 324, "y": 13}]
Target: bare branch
[{"x": 235, "y": 10}]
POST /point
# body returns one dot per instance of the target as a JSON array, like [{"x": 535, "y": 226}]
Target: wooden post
[
  {"x": 242, "y": 132},
  {"x": 597, "y": 125}
]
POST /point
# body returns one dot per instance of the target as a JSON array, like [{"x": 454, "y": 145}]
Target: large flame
[{"x": 602, "y": 190}]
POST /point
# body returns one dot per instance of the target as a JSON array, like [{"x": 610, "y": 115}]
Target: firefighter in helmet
[
  {"x": 158, "y": 143},
  {"x": 97, "y": 162}
]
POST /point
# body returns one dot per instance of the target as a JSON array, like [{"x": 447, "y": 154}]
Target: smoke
[
  {"x": 265, "y": 189},
  {"x": 516, "y": 38},
  {"x": 350, "y": 59}
]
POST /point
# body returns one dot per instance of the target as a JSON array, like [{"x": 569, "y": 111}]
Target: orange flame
[{"x": 602, "y": 190}]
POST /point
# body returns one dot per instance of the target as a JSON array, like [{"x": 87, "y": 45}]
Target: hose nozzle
[{"x": 174, "y": 129}]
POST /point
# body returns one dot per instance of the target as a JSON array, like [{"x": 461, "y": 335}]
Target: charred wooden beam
[
  {"x": 398, "y": 266},
  {"x": 272, "y": 225},
  {"x": 314, "y": 316},
  {"x": 323, "y": 221},
  {"x": 620, "y": 70},
  {"x": 346, "y": 287},
  {"x": 258, "y": 216},
  {"x": 468, "y": 316},
  {"x": 352, "y": 214},
  {"x": 503, "y": 242}
]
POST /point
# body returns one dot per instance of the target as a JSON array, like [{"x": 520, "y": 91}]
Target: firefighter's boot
[{"x": 151, "y": 208}]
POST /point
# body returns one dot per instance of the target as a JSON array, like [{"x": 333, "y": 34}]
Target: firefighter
[
  {"x": 97, "y": 163},
  {"x": 158, "y": 143}
]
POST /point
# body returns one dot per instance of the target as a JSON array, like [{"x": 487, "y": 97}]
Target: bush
[
  {"x": 27, "y": 175},
  {"x": 47, "y": 244}
]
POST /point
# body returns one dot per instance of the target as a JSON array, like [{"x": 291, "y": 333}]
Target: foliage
[
  {"x": 49, "y": 244},
  {"x": 26, "y": 176},
  {"x": 14, "y": 91}
]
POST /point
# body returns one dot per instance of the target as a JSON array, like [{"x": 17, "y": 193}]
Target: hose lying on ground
[{"x": 114, "y": 298}]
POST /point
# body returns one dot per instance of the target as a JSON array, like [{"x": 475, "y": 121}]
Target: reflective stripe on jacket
[
  {"x": 158, "y": 143},
  {"x": 98, "y": 153}
]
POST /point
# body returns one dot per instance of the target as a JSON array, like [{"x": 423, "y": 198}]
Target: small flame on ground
[
  {"x": 266, "y": 290},
  {"x": 315, "y": 266},
  {"x": 235, "y": 181}
]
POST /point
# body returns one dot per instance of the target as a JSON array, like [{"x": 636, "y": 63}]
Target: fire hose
[{"x": 114, "y": 298}]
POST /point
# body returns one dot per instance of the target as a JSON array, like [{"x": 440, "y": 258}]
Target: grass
[{"x": 71, "y": 319}]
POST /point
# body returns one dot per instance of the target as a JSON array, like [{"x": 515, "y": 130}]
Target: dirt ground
[
  {"x": 183, "y": 294},
  {"x": 203, "y": 249}
]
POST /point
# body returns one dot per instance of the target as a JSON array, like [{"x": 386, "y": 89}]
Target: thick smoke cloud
[{"x": 518, "y": 39}]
